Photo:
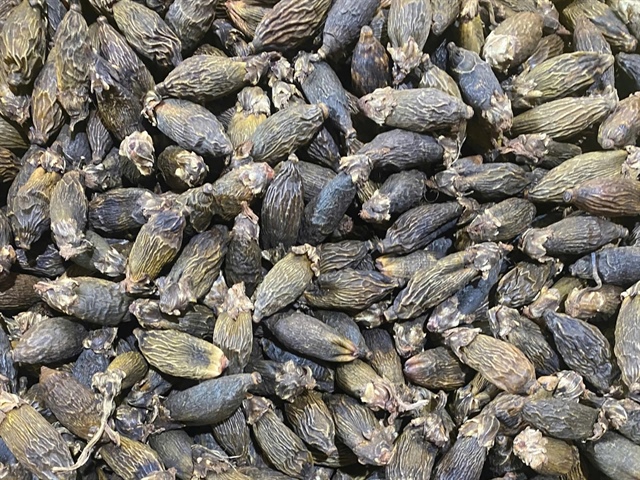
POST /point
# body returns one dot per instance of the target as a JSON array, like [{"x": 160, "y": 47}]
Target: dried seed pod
[
  {"x": 9, "y": 165},
  {"x": 311, "y": 420},
  {"x": 384, "y": 358},
  {"x": 588, "y": 37},
  {"x": 233, "y": 329},
  {"x": 583, "y": 348},
  {"x": 162, "y": 237},
  {"x": 595, "y": 305},
  {"x": 402, "y": 150},
  {"x": 485, "y": 181},
  {"x": 16, "y": 291},
  {"x": 204, "y": 78},
  {"x": 507, "y": 324},
  {"x": 343, "y": 24},
  {"x": 69, "y": 208},
  {"x": 190, "y": 125},
  {"x": 90, "y": 299},
  {"x": 73, "y": 404},
  {"x": 314, "y": 178},
  {"x": 252, "y": 108},
  {"x": 7, "y": 252},
  {"x": 430, "y": 286},
  {"x": 349, "y": 290},
  {"x": 573, "y": 172},
  {"x": 285, "y": 131},
  {"x": 278, "y": 443},
  {"x": 404, "y": 267},
  {"x": 513, "y": 40},
  {"x": 309, "y": 336},
  {"x": 288, "y": 25},
  {"x": 138, "y": 148},
  {"x": 521, "y": 285},
  {"x": 399, "y": 193},
  {"x": 323, "y": 214},
  {"x": 413, "y": 456},
  {"x": 50, "y": 340},
  {"x": 29, "y": 208},
  {"x": 99, "y": 138},
  {"x": 182, "y": 169},
  {"x": 118, "y": 107},
  {"x": 626, "y": 346},
  {"x": 570, "y": 236},
  {"x": 322, "y": 86},
  {"x": 346, "y": 326},
  {"x": 607, "y": 197},
  {"x": 233, "y": 436},
  {"x": 285, "y": 282},
  {"x": 323, "y": 374},
  {"x": 147, "y": 33},
  {"x": 131, "y": 459},
  {"x": 614, "y": 455},
  {"x": 198, "y": 320},
  {"x": 180, "y": 354},
  {"x": 283, "y": 380},
  {"x": 620, "y": 128},
  {"x": 10, "y": 137},
  {"x": 72, "y": 56},
  {"x": 419, "y": 110},
  {"x": 443, "y": 15},
  {"x": 13, "y": 105},
  {"x": 283, "y": 207},
  {"x": 344, "y": 254},
  {"x": 466, "y": 457},
  {"x": 546, "y": 455},
  {"x": 358, "y": 429},
  {"x": 548, "y": 47},
  {"x": 436, "y": 369},
  {"x": 501, "y": 363},
  {"x": 241, "y": 184},
  {"x": 629, "y": 63},
  {"x": 616, "y": 266},
  {"x": 120, "y": 209},
  {"x": 25, "y": 43},
  {"x": 116, "y": 51},
  {"x": 570, "y": 116},
  {"x": 243, "y": 261},
  {"x": 480, "y": 87},
  {"x": 245, "y": 15},
  {"x": 471, "y": 34},
  {"x": 190, "y": 21},
  {"x": 470, "y": 302},
  {"x": 561, "y": 418},
  {"x": 192, "y": 274},
  {"x": 473, "y": 397},
  {"x": 211, "y": 401},
  {"x": 558, "y": 77},
  {"x": 539, "y": 149},
  {"x": 603, "y": 17},
  {"x": 408, "y": 27},
  {"x": 369, "y": 64},
  {"x": 174, "y": 449},
  {"x": 34, "y": 442},
  {"x": 419, "y": 226},
  {"x": 502, "y": 221}
]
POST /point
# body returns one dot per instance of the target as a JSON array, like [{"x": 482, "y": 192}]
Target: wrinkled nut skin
[
  {"x": 370, "y": 68},
  {"x": 420, "y": 110},
  {"x": 24, "y": 43},
  {"x": 34, "y": 442},
  {"x": 513, "y": 40},
  {"x": 289, "y": 24},
  {"x": 147, "y": 33}
]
